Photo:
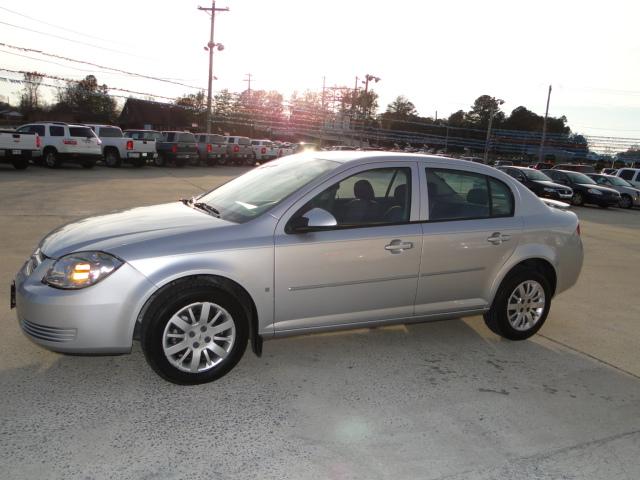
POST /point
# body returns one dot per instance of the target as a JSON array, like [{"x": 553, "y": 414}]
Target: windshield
[
  {"x": 619, "y": 182},
  {"x": 532, "y": 174},
  {"x": 577, "y": 177},
  {"x": 251, "y": 194}
]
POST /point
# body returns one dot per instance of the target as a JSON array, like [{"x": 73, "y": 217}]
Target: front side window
[
  {"x": 370, "y": 198},
  {"x": 460, "y": 195}
]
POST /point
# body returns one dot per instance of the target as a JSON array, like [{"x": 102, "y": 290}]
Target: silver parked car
[
  {"x": 312, "y": 242},
  {"x": 629, "y": 195}
]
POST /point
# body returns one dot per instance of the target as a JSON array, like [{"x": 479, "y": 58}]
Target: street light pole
[
  {"x": 544, "y": 128},
  {"x": 211, "y": 45}
]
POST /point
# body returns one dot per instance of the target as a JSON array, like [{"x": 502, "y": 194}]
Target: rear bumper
[
  {"x": 9, "y": 154},
  {"x": 141, "y": 155}
]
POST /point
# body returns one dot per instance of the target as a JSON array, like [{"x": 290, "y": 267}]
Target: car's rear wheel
[
  {"x": 626, "y": 201},
  {"x": 160, "y": 160},
  {"x": 111, "y": 158},
  {"x": 194, "y": 332},
  {"x": 50, "y": 159},
  {"x": 20, "y": 163},
  {"x": 577, "y": 199},
  {"x": 520, "y": 306}
]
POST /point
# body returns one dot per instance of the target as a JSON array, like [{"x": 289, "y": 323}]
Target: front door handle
[
  {"x": 497, "y": 238},
  {"x": 398, "y": 246}
]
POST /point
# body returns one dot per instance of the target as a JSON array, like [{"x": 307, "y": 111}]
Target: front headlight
[
  {"x": 80, "y": 270},
  {"x": 594, "y": 191},
  {"x": 549, "y": 190}
]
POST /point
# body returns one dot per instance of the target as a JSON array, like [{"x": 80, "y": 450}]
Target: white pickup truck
[
  {"x": 116, "y": 148},
  {"x": 17, "y": 148},
  {"x": 264, "y": 150}
]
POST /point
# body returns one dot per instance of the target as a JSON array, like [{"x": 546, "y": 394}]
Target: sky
[{"x": 440, "y": 55}]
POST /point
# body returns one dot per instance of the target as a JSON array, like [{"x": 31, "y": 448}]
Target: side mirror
[{"x": 314, "y": 219}]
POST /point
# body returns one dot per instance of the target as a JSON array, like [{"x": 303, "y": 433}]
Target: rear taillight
[
  {"x": 67, "y": 141},
  {"x": 209, "y": 148},
  {"x": 129, "y": 144},
  {"x": 578, "y": 229},
  {"x": 38, "y": 141},
  {"x": 263, "y": 150},
  {"x": 236, "y": 149},
  {"x": 174, "y": 149}
]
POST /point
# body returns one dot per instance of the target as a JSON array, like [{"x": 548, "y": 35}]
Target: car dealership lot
[{"x": 446, "y": 399}]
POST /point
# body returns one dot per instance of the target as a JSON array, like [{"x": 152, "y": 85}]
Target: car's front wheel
[
  {"x": 626, "y": 201},
  {"x": 194, "y": 332},
  {"x": 578, "y": 199},
  {"x": 520, "y": 306}
]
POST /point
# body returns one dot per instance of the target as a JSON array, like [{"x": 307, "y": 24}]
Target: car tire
[
  {"x": 183, "y": 321},
  {"x": 521, "y": 305},
  {"x": 50, "y": 159},
  {"x": 577, "y": 199},
  {"x": 160, "y": 161},
  {"x": 112, "y": 158},
  {"x": 20, "y": 163},
  {"x": 88, "y": 164},
  {"x": 626, "y": 201}
]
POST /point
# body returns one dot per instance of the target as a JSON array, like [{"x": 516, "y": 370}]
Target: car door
[
  {"x": 365, "y": 268},
  {"x": 471, "y": 230}
]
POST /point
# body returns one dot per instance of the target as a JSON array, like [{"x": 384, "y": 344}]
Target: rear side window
[
  {"x": 110, "y": 132},
  {"x": 460, "y": 195},
  {"x": 81, "y": 132},
  {"x": 627, "y": 174},
  {"x": 56, "y": 131}
]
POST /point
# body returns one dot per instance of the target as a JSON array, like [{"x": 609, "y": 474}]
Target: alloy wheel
[
  {"x": 198, "y": 337},
  {"x": 526, "y": 305}
]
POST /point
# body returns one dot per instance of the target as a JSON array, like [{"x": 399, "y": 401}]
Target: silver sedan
[{"x": 312, "y": 242}]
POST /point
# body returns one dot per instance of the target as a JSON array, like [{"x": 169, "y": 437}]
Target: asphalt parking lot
[{"x": 429, "y": 401}]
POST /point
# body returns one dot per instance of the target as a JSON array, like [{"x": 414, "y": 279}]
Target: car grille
[{"x": 49, "y": 334}]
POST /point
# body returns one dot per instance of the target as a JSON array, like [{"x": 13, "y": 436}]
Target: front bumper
[{"x": 96, "y": 319}]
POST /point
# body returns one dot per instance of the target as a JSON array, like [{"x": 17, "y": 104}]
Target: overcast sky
[{"x": 441, "y": 55}]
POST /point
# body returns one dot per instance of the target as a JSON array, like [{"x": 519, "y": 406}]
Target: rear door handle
[
  {"x": 398, "y": 246},
  {"x": 497, "y": 238}
]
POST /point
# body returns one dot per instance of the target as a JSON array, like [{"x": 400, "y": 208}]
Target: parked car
[
  {"x": 502, "y": 163},
  {"x": 302, "y": 244},
  {"x": 154, "y": 135},
  {"x": 64, "y": 142},
  {"x": 609, "y": 171},
  {"x": 239, "y": 151},
  {"x": 539, "y": 183},
  {"x": 631, "y": 175},
  {"x": 116, "y": 148},
  {"x": 303, "y": 147},
  {"x": 542, "y": 166},
  {"x": 263, "y": 150},
  {"x": 176, "y": 148},
  {"x": 574, "y": 167},
  {"x": 283, "y": 149},
  {"x": 585, "y": 190},
  {"x": 18, "y": 148},
  {"x": 211, "y": 148},
  {"x": 629, "y": 196}
]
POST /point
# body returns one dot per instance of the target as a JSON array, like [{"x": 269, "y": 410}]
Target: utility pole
[
  {"x": 492, "y": 114},
  {"x": 248, "y": 80},
  {"x": 212, "y": 12},
  {"x": 544, "y": 128}
]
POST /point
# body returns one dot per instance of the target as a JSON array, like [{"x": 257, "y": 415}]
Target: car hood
[
  {"x": 598, "y": 187},
  {"x": 113, "y": 232},
  {"x": 547, "y": 183}
]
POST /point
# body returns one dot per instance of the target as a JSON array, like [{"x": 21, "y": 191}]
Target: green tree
[
  {"x": 482, "y": 109},
  {"x": 87, "y": 100},
  {"x": 456, "y": 119},
  {"x": 30, "y": 97},
  {"x": 223, "y": 104},
  {"x": 400, "y": 109}
]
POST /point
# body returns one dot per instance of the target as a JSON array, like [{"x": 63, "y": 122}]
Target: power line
[
  {"x": 60, "y": 57},
  {"x": 59, "y": 27}
]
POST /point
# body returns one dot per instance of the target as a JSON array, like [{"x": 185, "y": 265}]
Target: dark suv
[
  {"x": 575, "y": 167},
  {"x": 177, "y": 148},
  {"x": 585, "y": 190},
  {"x": 539, "y": 183}
]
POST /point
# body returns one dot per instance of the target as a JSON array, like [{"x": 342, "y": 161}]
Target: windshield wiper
[{"x": 207, "y": 208}]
